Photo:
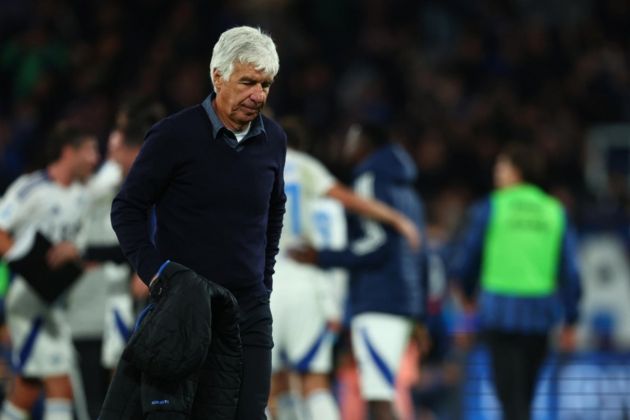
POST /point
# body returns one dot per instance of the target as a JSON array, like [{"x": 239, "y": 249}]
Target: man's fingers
[{"x": 411, "y": 233}]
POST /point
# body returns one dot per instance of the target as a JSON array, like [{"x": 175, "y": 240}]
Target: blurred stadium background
[{"x": 454, "y": 79}]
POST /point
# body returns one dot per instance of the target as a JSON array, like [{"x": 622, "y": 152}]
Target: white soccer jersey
[
  {"x": 36, "y": 203},
  {"x": 330, "y": 232},
  {"x": 305, "y": 180},
  {"x": 40, "y": 335},
  {"x": 305, "y": 297},
  {"x": 102, "y": 189}
]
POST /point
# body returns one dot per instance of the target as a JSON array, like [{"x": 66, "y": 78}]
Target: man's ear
[{"x": 217, "y": 80}]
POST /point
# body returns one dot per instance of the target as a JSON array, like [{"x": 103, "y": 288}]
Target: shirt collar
[{"x": 256, "y": 128}]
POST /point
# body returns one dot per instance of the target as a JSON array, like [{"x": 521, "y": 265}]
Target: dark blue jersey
[{"x": 385, "y": 273}]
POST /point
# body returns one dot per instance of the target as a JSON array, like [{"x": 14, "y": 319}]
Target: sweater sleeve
[
  {"x": 148, "y": 178},
  {"x": 274, "y": 221}
]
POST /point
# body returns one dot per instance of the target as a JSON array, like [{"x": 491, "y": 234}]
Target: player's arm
[
  {"x": 6, "y": 242},
  {"x": 372, "y": 243},
  {"x": 570, "y": 287},
  {"x": 14, "y": 207},
  {"x": 62, "y": 253},
  {"x": 465, "y": 261},
  {"x": 376, "y": 210}
]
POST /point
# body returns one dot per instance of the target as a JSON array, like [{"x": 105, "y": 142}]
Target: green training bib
[{"x": 522, "y": 243}]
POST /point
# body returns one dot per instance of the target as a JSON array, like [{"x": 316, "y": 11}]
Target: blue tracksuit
[
  {"x": 385, "y": 272},
  {"x": 515, "y": 313}
]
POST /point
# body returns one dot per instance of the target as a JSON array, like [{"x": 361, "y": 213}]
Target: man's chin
[{"x": 248, "y": 117}]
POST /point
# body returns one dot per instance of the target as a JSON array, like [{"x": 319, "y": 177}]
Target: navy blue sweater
[{"x": 219, "y": 204}]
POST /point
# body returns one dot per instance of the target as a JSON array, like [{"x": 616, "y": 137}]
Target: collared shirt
[{"x": 219, "y": 130}]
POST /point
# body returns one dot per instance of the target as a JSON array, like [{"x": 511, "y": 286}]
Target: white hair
[{"x": 245, "y": 45}]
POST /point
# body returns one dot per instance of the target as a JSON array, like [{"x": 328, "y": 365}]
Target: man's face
[
  {"x": 85, "y": 158},
  {"x": 241, "y": 98},
  {"x": 355, "y": 147},
  {"x": 505, "y": 173}
]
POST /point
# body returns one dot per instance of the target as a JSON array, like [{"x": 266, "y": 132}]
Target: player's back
[{"x": 306, "y": 180}]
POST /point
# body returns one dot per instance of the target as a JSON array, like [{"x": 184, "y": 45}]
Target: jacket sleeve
[
  {"x": 274, "y": 221},
  {"x": 465, "y": 260},
  {"x": 570, "y": 287},
  {"x": 148, "y": 178}
]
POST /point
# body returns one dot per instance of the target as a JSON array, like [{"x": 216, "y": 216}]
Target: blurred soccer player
[
  {"x": 519, "y": 252},
  {"x": 52, "y": 202},
  {"x": 305, "y": 303},
  {"x": 385, "y": 284},
  {"x": 100, "y": 305}
]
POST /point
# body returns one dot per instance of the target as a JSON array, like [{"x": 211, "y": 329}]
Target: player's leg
[
  {"x": 58, "y": 390},
  {"x": 378, "y": 342},
  {"x": 534, "y": 351},
  {"x": 24, "y": 327},
  {"x": 508, "y": 373},
  {"x": 21, "y": 399},
  {"x": 285, "y": 402},
  {"x": 54, "y": 361},
  {"x": 319, "y": 402},
  {"x": 309, "y": 344},
  {"x": 119, "y": 319},
  {"x": 318, "y": 398}
]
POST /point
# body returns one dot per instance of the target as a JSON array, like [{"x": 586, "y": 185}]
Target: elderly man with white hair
[{"x": 214, "y": 175}]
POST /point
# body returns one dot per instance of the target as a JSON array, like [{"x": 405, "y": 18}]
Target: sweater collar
[{"x": 256, "y": 128}]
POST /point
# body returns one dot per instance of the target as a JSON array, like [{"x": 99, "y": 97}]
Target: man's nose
[{"x": 258, "y": 95}]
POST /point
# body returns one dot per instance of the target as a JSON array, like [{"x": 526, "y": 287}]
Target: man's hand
[
  {"x": 139, "y": 290},
  {"x": 6, "y": 242},
  {"x": 304, "y": 255},
  {"x": 408, "y": 230},
  {"x": 62, "y": 253},
  {"x": 568, "y": 339}
]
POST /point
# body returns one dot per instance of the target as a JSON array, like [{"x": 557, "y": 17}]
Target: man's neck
[{"x": 60, "y": 174}]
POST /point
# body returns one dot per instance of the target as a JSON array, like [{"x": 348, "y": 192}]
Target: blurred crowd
[{"x": 454, "y": 79}]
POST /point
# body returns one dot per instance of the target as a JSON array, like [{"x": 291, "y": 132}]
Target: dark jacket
[
  {"x": 185, "y": 355},
  {"x": 385, "y": 271}
]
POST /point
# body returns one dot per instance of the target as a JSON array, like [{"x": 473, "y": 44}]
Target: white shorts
[
  {"x": 378, "y": 343},
  {"x": 119, "y": 319},
  {"x": 40, "y": 335},
  {"x": 302, "y": 341}
]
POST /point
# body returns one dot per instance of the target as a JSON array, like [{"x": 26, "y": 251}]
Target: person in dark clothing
[
  {"x": 519, "y": 250},
  {"x": 214, "y": 174},
  {"x": 385, "y": 289}
]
